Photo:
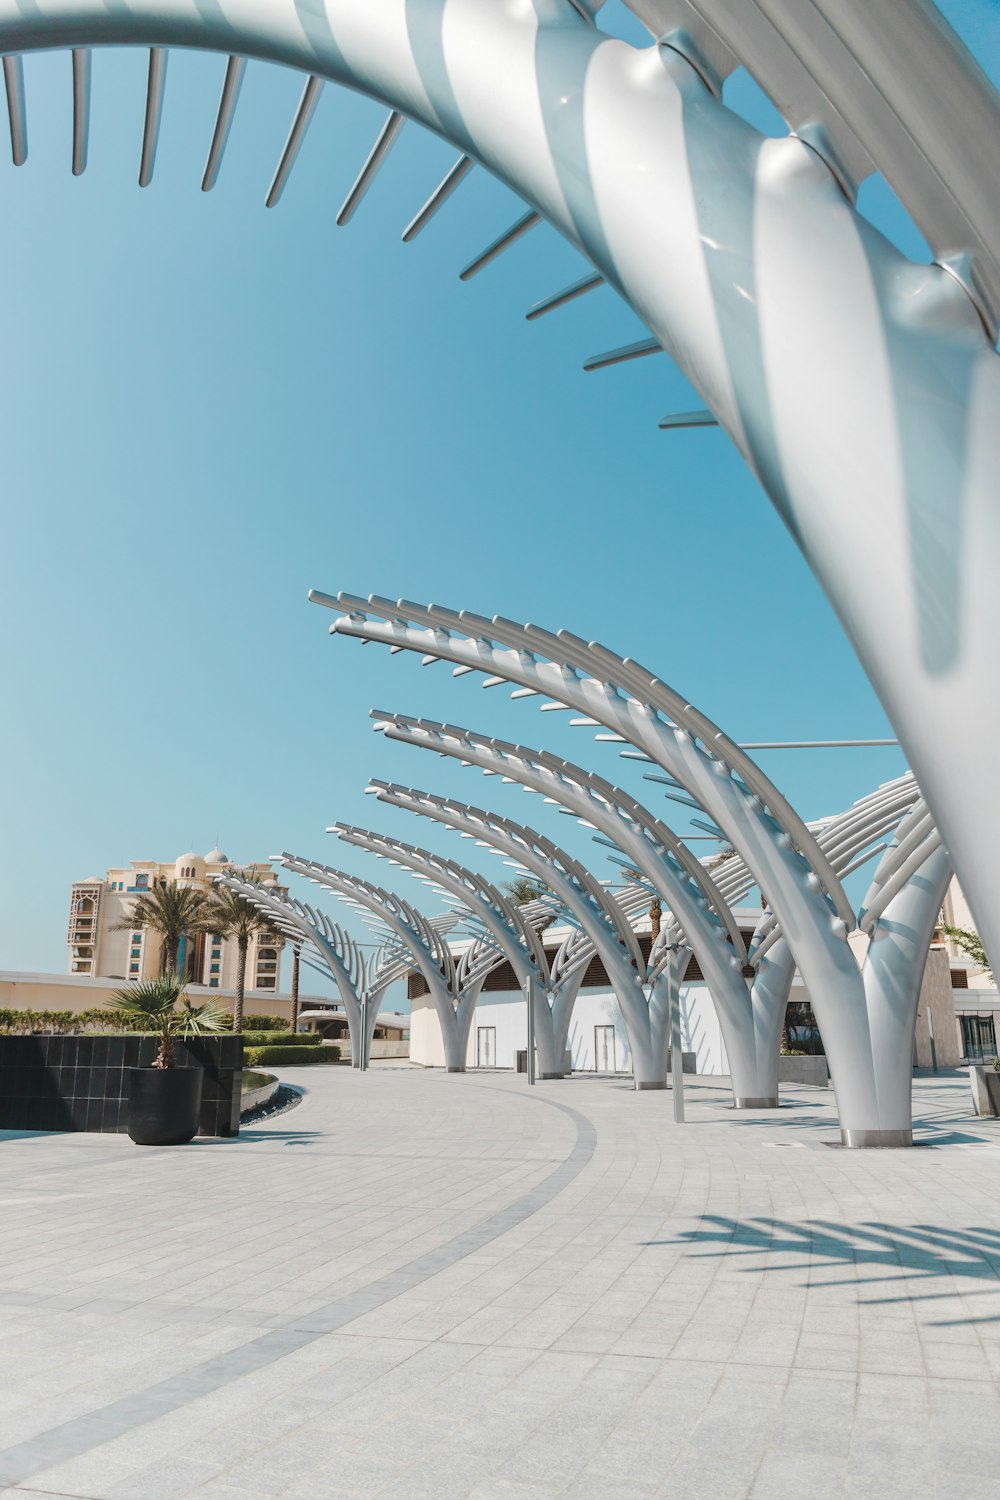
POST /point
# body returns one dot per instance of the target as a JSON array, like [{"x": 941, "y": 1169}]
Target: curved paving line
[{"x": 74, "y": 1438}]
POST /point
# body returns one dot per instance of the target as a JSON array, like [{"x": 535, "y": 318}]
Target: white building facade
[{"x": 958, "y": 1018}]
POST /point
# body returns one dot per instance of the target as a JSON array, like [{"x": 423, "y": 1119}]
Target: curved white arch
[
  {"x": 453, "y": 985},
  {"x": 750, "y": 1026},
  {"x": 614, "y": 940},
  {"x": 862, "y": 389},
  {"x": 516, "y": 937},
  {"x": 357, "y": 981}
]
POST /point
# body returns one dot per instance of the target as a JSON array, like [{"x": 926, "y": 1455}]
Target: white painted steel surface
[{"x": 862, "y": 389}]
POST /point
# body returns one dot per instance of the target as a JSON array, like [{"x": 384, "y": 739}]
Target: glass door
[{"x": 604, "y": 1049}]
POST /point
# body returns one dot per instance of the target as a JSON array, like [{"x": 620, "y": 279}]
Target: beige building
[
  {"x": 98, "y": 950},
  {"x": 976, "y": 1001}
]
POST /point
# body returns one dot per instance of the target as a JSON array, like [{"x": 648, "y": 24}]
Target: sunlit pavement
[{"x": 420, "y": 1285}]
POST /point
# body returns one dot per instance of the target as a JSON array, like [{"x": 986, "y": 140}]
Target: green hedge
[
  {"x": 257, "y": 1038},
  {"x": 261, "y": 1023},
  {"x": 100, "y": 1018},
  {"x": 256, "y": 1057}
]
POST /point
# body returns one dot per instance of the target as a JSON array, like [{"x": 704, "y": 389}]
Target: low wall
[
  {"x": 378, "y": 1049},
  {"x": 81, "y": 1082},
  {"x": 811, "y": 1069},
  {"x": 258, "y": 1093}
]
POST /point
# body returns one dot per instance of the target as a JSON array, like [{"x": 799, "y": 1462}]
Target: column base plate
[{"x": 876, "y": 1139}]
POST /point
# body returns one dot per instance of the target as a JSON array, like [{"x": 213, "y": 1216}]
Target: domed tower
[
  {"x": 216, "y": 857},
  {"x": 189, "y": 866}
]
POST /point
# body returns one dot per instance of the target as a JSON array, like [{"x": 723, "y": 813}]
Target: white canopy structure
[
  {"x": 515, "y": 931},
  {"x": 361, "y": 978},
  {"x": 453, "y": 981},
  {"x": 863, "y": 389},
  {"x": 750, "y": 1020},
  {"x": 787, "y": 860},
  {"x": 749, "y": 993},
  {"x": 643, "y": 987}
]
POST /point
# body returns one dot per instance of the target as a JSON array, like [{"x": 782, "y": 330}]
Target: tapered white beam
[
  {"x": 440, "y": 195},
  {"x": 13, "y": 77},
  {"x": 568, "y": 294},
  {"x": 297, "y": 134},
  {"x": 376, "y": 156},
  {"x": 155, "y": 84},
  {"x": 620, "y": 356},
  {"x": 81, "y": 107},
  {"x": 501, "y": 243},
  {"x": 689, "y": 419},
  {"x": 232, "y": 83}
]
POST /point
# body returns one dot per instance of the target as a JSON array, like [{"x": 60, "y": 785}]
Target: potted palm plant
[{"x": 164, "y": 1101}]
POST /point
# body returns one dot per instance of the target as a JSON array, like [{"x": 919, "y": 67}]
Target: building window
[
  {"x": 137, "y": 937},
  {"x": 141, "y": 882},
  {"x": 133, "y": 968},
  {"x": 265, "y": 984},
  {"x": 268, "y": 953},
  {"x": 136, "y": 953},
  {"x": 214, "y": 969},
  {"x": 213, "y": 984},
  {"x": 979, "y": 1043}
]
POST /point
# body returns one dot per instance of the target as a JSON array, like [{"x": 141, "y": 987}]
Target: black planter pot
[{"x": 163, "y": 1105}]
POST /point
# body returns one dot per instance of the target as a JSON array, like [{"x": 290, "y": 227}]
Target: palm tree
[
  {"x": 296, "y": 950},
  {"x": 655, "y": 911},
  {"x": 232, "y": 915},
  {"x": 524, "y": 889},
  {"x": 173, "y": 912},
  {"x": 163, "y": 1004}
]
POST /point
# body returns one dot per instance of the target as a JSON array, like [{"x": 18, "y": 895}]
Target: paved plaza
[{"x": 416, "y": 1285}]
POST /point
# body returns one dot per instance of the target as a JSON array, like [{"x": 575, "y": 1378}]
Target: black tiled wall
[{"x": 81, "y": 1082}]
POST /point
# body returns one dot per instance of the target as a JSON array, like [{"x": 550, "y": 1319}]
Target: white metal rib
[
  {"x": 500, "y": 244},
  {"x": 701, "y": 418},
  {"x": 297, "y": 134},
  {"x": 232, "y": 83},
  {"x": 626, "y": 352},
  {"x": 155, "y": 84},
  {"x": 440, "y": 195},
  {"x": 376, "y": 156},
  {"x": 81, "y": 108},
  {"x": 568, "y": 294},
  {"x": 13, "y": 77}
]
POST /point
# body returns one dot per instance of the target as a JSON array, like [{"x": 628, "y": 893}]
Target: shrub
[
  {"x": 262, "y": 1023},
  {"x": 257, "y": 1038},
  {"x": 256, "y": 1057},
  {"x": 102, "y": 1018}
]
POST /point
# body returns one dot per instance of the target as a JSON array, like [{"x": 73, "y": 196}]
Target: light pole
[
  {"x": 529, "y": 995},
  {"x": 676, "y": 1055}
]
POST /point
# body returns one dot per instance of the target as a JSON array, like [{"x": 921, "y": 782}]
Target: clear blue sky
[{"x": 210, "y": 407}]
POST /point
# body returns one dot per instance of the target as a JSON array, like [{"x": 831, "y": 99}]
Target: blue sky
[{"x": 210, "y": 407}]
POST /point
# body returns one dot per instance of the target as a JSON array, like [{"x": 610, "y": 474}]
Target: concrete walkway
[{"x": 416, "y": 1285}]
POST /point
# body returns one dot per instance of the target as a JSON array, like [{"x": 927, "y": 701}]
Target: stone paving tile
[{"x": 474, "y": 1295}]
